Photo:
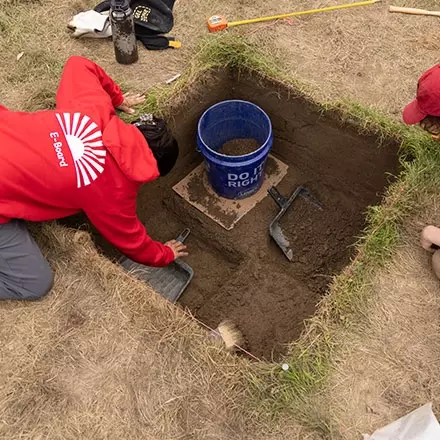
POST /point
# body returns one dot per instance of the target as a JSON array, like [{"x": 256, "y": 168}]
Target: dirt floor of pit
[{"x": 241, "y": 274}]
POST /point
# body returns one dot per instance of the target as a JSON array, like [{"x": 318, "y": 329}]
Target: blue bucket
[{"x": 234, "y": 177}]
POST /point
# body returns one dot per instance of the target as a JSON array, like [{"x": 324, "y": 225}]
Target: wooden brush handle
[{"x": 414, "y": 11}]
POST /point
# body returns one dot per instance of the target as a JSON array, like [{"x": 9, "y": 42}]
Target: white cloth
[
  {"x": 90, "y": 24},
  {"x": 420, "y": 424}
]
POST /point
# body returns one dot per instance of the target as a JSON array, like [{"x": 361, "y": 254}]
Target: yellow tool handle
[
  {"x": 175, "y": 44},
  {"x": 414, "y": 11},
  {"x": 294, "y": 14}
]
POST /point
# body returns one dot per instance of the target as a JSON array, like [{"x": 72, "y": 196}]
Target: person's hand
[
  {"x": 430, "y": 236},
  {"x": 130, "y": 101},
  {"x": 178, "y": 248},
  {"x": 431, "y": 124}
]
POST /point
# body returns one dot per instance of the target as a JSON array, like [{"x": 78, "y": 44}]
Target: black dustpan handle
[
  {"x": 184, "y": 235},
  {"x": 276, "y": 195}
]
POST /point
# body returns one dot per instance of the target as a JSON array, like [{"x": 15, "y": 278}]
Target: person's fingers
[
  {"x": 430, "y": 235},
  {"x": 426, "y": 245},
  {"x": 138, "y": 99},
  {"x": 126, "y": 109},
  {"x": 180, "y": 252},
  {"x": 178, "y": 248},
  {"x": 130, "y": 100}
]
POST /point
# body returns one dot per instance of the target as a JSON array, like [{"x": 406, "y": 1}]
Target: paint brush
[{"x": 230, "y": 334}]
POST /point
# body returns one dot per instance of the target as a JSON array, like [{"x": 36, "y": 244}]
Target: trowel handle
[
  {"x": 184, "y": 235},
  {"x": 413, "y": 11},
  {"x": 277, "y": 196}
]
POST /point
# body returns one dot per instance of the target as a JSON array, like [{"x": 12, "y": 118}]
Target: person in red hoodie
[{"x": 80, "y": 157}]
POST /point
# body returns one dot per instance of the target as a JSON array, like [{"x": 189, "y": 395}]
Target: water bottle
[{"x": 124, "y": 38}]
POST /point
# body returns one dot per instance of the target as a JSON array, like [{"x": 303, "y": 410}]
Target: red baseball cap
[{"x": 427, "y": 102}]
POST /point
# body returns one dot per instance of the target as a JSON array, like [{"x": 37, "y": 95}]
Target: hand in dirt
[
  {"x": 178, "y": 248},
  {"x": 130, "y": 101}
]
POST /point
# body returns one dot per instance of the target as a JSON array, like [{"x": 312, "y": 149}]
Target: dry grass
[
  {"x": 390, "y": 368},
  {"x": 362, "y": 53},
  {"x": 42, "y": 98},
  {"x": 359, "y": 54},
  {"x": 104, "y": 357}
]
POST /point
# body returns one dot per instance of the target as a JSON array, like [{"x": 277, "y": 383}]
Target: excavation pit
[{"x": 240, "y": 273}]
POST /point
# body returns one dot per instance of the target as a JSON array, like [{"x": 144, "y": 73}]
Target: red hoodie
[{"x": 79, "y": 157}]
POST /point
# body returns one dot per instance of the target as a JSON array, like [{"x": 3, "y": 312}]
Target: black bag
[{"x": 151, "y": 18}]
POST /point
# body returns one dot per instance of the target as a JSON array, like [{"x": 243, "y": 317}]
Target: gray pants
[{"x": 24, "y": 272}]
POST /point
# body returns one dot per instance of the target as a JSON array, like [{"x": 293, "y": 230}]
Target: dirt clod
[{"x": 239, "y": 147}]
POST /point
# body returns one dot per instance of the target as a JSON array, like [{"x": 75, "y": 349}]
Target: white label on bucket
[{"x": 245, "y": 179}]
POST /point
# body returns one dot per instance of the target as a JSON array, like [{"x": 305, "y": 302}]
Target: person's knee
[
  {"x": 436, "y": 263},
  {"x": 42, "y": 286}
]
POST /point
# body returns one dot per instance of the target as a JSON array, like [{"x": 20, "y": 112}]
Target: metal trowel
[{"x": 275, "y": 230}]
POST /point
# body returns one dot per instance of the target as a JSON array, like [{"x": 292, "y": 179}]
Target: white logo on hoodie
[{"x": 85, "y": 143}]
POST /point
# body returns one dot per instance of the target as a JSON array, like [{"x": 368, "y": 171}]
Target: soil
[
  {"x": 198, "y": 191},
  {"x": 242, "y": 274},
  {"x": 317, "y": 237},
  {"x": 239, "y": 147}
]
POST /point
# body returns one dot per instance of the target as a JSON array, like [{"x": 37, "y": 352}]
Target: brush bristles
[{"x": 232, "y": 337}]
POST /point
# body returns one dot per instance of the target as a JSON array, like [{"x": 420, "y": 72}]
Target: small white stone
[{"x": 285, "y": 367}]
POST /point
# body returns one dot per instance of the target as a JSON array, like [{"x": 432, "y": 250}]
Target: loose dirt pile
[
  {"x": 318, "y": 238},
  {"x": 239, "y": 147}
]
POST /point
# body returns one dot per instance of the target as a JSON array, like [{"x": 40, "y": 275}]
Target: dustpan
[
  {"x": 170, "y": 281},
  {"x": 275, "y": 230}
]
